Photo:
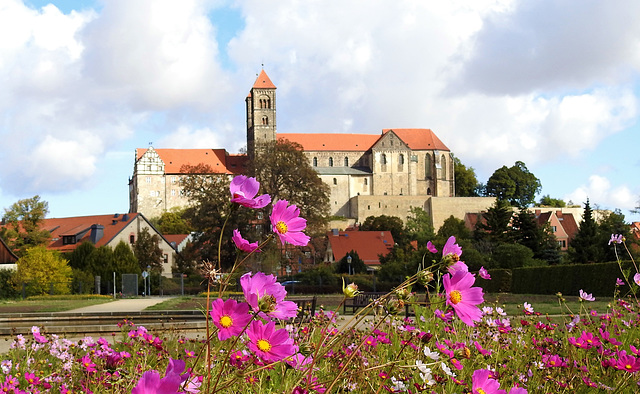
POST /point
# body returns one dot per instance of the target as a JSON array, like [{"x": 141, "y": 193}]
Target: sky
[{"x": 83, "y": 83}]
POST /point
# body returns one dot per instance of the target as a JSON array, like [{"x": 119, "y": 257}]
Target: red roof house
[{"x": 368, "y": 244}]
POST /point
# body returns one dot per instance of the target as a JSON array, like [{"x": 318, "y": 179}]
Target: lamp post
[
  {"x": 149, "y": 287},
  {"x": 349, "y": 262}
]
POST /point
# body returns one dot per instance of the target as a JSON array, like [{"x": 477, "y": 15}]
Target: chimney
[
  {"x": 334, "y": 232},
  {"x": 97, "y": 231},
  {"x": 125, "y": 217}
]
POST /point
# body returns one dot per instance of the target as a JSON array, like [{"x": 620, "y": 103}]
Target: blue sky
[{"x": 85, "y": 83}]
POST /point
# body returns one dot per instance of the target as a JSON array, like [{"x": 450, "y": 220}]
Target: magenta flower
[
  {"x": 88, "y": 365},
  {"x": 150, "y": 383},
  {"x": 586, "y": 297},
  {"x": 458, "y": 266},
  {"x": 265, "y": 295},
  {"x": 288, "y": 224},
  {"x": 431, "y": 247},
  {"x": 481, "y": 383},
  {"x": 628, "y": 363},
  {"x": 619, "y": 282},
  {"x": 242, "y": 243},
  {"x": 452, "y": 248},
  {"x": 636, "y": 278},
  {"x": 518, "y": 390},
  {"x": 616, "y": 239},
  {"x": 230, "y": 317},
  {"x": 484, "y": 274},
  {"x": 269, "y": 344},
  {"x": 243, "y": 191},
  {"x": 462, "y": 297}
]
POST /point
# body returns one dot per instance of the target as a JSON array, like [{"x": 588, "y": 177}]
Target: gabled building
[
  {"x": 104, "y": 230},
  {"x": 369, "y": 245},
  {"x": 635, "y": 230},
  {"x": 563, "y": 226},
  {"x": 7, "y": 257}
]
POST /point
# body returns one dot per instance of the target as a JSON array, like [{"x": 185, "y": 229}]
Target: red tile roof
[
  {"x": 331, "y": 142},
  {"x": 217, "y": 159},
  {"x": 635, "y": 229},
  {"x": 419, "y": 139},
  {"x": 368, "y": 244},
  {"x": 263, "y": 82},
  {"x": 416, "y": 139},
  {"x": 80, "y": 226}
]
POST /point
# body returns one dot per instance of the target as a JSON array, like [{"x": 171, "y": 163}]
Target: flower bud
[{"x": 350, "y": 290}]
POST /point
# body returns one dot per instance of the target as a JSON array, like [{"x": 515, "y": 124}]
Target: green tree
[
  {"x": 101, "y": 263},
  {"x": 79, "y": 258},
  {"x": 508, "y": 256},
  {"x": 547, "y": 201},
  {"x": 125, "y": 261},
  {"x": 22, "y": 225},
  {"x": 454, "y": 226},
  {"x": 172, "y": 222},
  {"x": 612, "y": 223},
  {"x": 43, "y": 271},
  {"x": 516, "y": 185},
  {"x": 466, "y": 181},
  {"x": 493, "y": 226},
  {"x": 584, "y": 247},
  {"x": 147, "y": 251},
  {"x": 357, "y": 265},
  {"x": 418, "y": 226},
  {"x": 284, "y": 173},
  {"x": 392, "y": 224}
]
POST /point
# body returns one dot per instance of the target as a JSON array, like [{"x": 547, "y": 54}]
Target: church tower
[{"x": 261, "y": 113}]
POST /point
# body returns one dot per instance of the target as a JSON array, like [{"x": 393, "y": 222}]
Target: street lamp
[
  {"x": 149, "y": 287},
  {"x": 349, "y": 262}
]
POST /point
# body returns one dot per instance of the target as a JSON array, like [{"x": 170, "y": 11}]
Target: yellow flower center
[
  {"x": 481, "y": 391},
  {"x": 455, "y": 297},
  {"x": 282, "y": 227},
  {"x": 226, "y": 321},
  {"x": 264, "y": 345}
]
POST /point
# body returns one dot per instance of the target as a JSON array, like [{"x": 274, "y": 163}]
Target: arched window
[
  {"x": 383, "y": 159},
  {"x": 331, "y": 162},
  {"x": 366, "y": 181},
  {"x": 400, "y": 162},
  {"x": 427, "y": 165},
  {"x": 428, "y": 191},
  {"x": 265, "y": 120},
  {"x": 346, "y": 162},
  {"x": 315, "y": 161},
  {"x": 443, "y": 164},
  {"x": 335, "y": 181}
]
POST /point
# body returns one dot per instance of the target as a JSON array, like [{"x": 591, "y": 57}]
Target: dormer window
[{"x": 68, "y": 239}]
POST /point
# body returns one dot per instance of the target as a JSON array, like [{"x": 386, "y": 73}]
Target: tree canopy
[
  {"x": 515, "y": 185},
  {"x": 147, "y": 251},
  {"x": 43, "y": 271},
  {"x": 284, "y": 173},
  {"x": 547, "y": 201},
  {"x": 466, "y": 184},
  {"x": 392, "y": 224},
  {"x": 584, "y": 247},
  {"x": 418, "y": 226},
  {"x": 22, "y": 225}
]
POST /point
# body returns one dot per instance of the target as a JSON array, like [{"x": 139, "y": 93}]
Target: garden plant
[{"x": 455, "y": 343}]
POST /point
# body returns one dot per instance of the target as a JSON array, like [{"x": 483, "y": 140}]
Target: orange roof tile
[
  {"x": 419, "y": 139},
  {"x": 331, "y": 141},
  {"x": 263, "y": 82},
  {"x": 368, "y": 244},
  {"x": 217, "y": 159}
]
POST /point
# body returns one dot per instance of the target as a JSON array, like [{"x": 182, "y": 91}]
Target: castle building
[{"x": 368, "y": 174}]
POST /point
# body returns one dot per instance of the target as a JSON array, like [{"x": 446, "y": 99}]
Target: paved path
[{"x": 123, "y": 305}]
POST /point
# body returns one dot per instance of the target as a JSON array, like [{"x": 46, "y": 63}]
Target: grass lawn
[
  {"x": 52, "y": 305},
  {"x": 511, "y": 303}
]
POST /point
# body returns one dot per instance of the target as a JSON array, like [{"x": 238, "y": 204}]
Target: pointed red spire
[{"x": 263, "y": 82}]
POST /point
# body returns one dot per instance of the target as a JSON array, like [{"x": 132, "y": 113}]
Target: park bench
[
  {"x": 306, "y": 306},
  {"x": 360, "y": 301}
]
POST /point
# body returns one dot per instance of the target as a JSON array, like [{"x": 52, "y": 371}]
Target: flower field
[{"x": 456, "y": 343}]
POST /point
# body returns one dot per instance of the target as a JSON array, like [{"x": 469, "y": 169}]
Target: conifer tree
[{"x": 584, "y": 247}]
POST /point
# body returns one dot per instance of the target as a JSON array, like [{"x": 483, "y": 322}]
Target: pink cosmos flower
[
  {"x": 458, "y": 266},
  {"x": 88, "y": 365},
  {"x": 288, "y": 224},
  {"x": 230, "y": 317},
  {"x": 451, "y": 248},
  {"x": 462, "y": 297},
  {"x": 628, "y": 363},
  {"x": 616, "y": 239},
  {"x": 619, "y": 282},
  {"x": 518, "y": 390},
  {"x": 243, "y": 191},
  {"x": 151, "y": 383},
  {"x": 481, "y": 383},
  {"x": 484, "y": 274},
  {"x": 264, "y": 294},
  {"x": 242, "y": 243},
  {"x": 431, "y": 247},
  {"x": 636, "y": 278},
  {"x": 586, "y": 297},
  {"x": 269, "y": 344}
]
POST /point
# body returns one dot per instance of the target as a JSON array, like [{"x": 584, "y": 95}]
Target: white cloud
[
  {"x": 184, "y": 138},
  {"x": 600, "y": 192}
]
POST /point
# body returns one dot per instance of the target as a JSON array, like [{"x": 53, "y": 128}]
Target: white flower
[
  {"x": 528, "y": 307},
  {"x": 447, "y": 370},
  {"x": 487, "y": 310},
  {"x": 422, "y": 366},
  {"x": 432, "y": 355},
  {"x": 501, "y": 311},
  {"x": 398, "y": 385}
]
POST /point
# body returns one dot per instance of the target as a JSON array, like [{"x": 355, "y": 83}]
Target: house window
[
  {"x": 165, "y": 258},
  {"x": 173, "y": 192},
  {"x": 427, "y": 165},
  {"x": 148, "y": 179},
  {"x": 132, "y": 239},
  {"x": 315, "y": 161},
  {"x": 366, "y": 181},
  {"x": 554, "y": 228},
  {"x": 346, "y": 162},
  {"x": 331, "y": 162},
  {"x": 173, "y": 179},
  {"x": 335, "y": 181},
  {"x": 68, "y": 239}
]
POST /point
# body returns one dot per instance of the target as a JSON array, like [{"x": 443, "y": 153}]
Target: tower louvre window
[{"x": 331, "y": 162}]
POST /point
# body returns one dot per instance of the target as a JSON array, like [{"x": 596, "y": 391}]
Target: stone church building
[{"x": 368, "y": 174}]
